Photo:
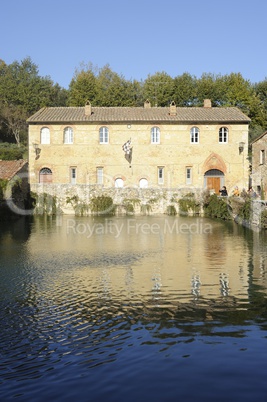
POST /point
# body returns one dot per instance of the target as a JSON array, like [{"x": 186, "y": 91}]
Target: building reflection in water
[{"x": 161, "y": 264}]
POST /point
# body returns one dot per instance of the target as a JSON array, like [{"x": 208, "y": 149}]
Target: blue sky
[{"x": 137, "y": 38}]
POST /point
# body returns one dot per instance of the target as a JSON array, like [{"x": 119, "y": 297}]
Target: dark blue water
[{"x": 132, "y": 309}]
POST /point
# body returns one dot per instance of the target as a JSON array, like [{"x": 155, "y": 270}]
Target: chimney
[
  {"x": 147, "y": 104},
  {"x": 172, "y": 109},
  {"x": 207, "y": 103},
  {"x": 88, "y": 109}
]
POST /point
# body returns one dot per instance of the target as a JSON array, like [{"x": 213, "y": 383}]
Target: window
[
  {"x": 155, "y": 135},
  {"x": 223, "y": 135},
  {"x": 68, "y": 135},
  {"x": 143, "y": 183},
  {"x": 119, "y": 183},
  {"x": 45, "y": 175},
  {"x": 73, "y": 175},
  {"x": 188, "y": 179},
  {"x": 103, "y": 135},
  {"x": 262, "y": 157},
  {"x": 45, "y": 135},
  {"x": 160, "y": 175},
  {"x": 194, "y": 135},
  {"x": 99, "y": 175}
]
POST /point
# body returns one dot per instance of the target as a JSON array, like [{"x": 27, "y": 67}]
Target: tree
[
  {"x": 22, "y": 93},
  {"x": 21, "y": 85},
  {"x": 111, "y": 88},
  {"x": 82, "y": 86},
  {"x": 185, "y": 90},
  {"x": 134, "y": 90},
  {"x": 14, "y": 118},
  {"x": 241, "y": 93},
  {"x": 57, "y": 96},
  {"x": 159, "y": 89},
  {"x": 261, "y": 93},
  {"x": 237, "y": 91},
  {"x": 209, "y": 87}
]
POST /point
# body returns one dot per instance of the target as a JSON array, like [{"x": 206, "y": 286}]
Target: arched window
[
  {"x": 194, "y": 135},
  {"x": 103, "y": 135},
  {"x": 155, "y": 135},
  {"x": 119, "y": 183},
  {"x": 143, "y": 183},
  {"x": 45, "y": 175},
  {"x": 45, "y": 135},
  {"x": 68, "y": 135},
  {"x": 223, "y": 135},
  {"x": 214, "y": 172}
]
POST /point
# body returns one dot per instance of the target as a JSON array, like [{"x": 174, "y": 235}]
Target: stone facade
[
  {"x": 259, "y": 165},
  {"x": 171, "y": 148}
]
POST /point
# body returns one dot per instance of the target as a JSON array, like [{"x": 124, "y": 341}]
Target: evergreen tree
[{"x": 159, "y": 89}]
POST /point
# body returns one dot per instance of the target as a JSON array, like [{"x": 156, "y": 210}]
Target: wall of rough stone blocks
[{"x": 259, "y": 169}]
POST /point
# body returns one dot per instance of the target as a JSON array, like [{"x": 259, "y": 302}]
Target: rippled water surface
[{"x": 132, "y": 309}]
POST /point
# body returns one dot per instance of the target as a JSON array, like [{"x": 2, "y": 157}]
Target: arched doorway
[
  {"x": 214, "y": 180},
  {"x": 45, "y": 175}
]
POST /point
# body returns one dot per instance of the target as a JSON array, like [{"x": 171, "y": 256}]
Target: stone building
[
  {"x": 259, "y": 165},
  {"x": 139, "y": 147}
]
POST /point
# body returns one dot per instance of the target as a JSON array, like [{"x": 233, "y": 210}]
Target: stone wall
[
  {"x": 76, "y": 200},
  {"x": 175, "y": 154},
  {"x": 68, "y": 198},
  {"x": 257, "y": 207},
  {"x": 259, "y": 166}
]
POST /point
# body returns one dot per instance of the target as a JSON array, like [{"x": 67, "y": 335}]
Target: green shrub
[
  {"x": 129, "y": 208},
  {"x": 217, "y": 207},
  {"x": 245, "y": 209},
  {"x": 11, "y": 151},
  {"x": 80, "y": 208},
  {"x": 3, "y": 184},
  {"x": 102, "y": 205},
  {"x": 188, "y": 203},
  {"x": 240, "y": 207},
  {"x": 45, "y": 204},
  {"x": 171, "y": 210},
  {"x": 264, "y": 219},
  {"x": 145, "y": 208},
  {"x": 129, "y": 205}
]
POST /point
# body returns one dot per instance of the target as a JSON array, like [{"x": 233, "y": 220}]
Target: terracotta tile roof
[
  {"x": 139, "y": 114},
  {"x": 8, "y": 169}
]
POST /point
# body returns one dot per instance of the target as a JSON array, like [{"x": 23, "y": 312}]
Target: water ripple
[{"x": 135, "y": 316}]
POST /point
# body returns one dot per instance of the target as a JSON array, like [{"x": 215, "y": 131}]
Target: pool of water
[{"x": 132, "y": 309}]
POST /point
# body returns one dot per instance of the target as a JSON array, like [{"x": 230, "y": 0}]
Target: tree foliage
[
  {"x": 14, "y": 120},
  {"x": 11, "y": 151},
  {"x": 159, "y": 89},
  {"x": 23, "y": 92},
  {"x": 111, "y": 88},
  {"x": 82, "y": 87},
  {"x": 185, "y": 90}
]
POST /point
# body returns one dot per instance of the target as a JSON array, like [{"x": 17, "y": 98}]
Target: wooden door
[
  {"x": 213, "y": 183},
  {"x": 46, "y": 177}
]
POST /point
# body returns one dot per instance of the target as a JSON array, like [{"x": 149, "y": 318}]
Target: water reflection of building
[
  {"x": 259, "y": 259},
  {"x": 177, "y": 267}
]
